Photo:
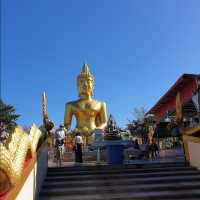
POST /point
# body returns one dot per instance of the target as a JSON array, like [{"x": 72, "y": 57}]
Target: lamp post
[{"x": 198, "y": 92}]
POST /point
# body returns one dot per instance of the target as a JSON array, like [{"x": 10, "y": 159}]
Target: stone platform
[{"x": 89, "y": 158}]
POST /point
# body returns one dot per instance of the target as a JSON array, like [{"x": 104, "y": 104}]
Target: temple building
[{"x": 188, "y": 89}]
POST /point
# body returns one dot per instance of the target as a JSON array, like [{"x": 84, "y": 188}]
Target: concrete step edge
[
  {"x": 124, "y": 181},
  {"x": 121, "y": 189},
  {"x": 160, "y": 194},
  {"x": 119, "y": 171},
  {"x": 123, "y": 175}
]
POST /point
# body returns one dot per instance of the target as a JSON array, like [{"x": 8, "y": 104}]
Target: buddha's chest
[{"x": 87, "y": 108}]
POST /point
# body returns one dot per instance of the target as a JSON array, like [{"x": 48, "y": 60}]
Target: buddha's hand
[{"x": 85, "y": 130}]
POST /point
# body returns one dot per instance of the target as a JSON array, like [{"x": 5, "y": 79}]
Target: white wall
[
  {"x": 34, "y": 181},
  {"x": 194, "y": 154},
  {"x": 27, "y": 191}
]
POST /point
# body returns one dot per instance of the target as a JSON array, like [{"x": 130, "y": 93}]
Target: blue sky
[{"x": 136, "y": 49}]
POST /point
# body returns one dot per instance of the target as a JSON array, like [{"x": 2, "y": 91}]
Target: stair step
[
  {"x": 122, "y": 175},
  {"x": 113, "y": 181},
  {"x": 120, "y": 167},
  {"x": 122, "y": 189},
  {"x": 182, "y": 194},
  {"x": 113, "y": 171},
  {"x": 153, "y": 181}
]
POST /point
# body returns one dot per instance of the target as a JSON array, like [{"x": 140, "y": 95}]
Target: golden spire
[
  {"x": 85, "y": 73},
  {"x": 44, "y": 108}
]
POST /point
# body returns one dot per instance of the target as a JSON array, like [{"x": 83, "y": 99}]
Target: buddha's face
[{"x": 85, "y": 87}]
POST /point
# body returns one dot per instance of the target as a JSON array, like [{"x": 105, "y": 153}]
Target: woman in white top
[{"x": 78, "y": 145}]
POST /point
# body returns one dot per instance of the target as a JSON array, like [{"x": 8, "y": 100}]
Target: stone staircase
[{"x": 156, "y": 181}]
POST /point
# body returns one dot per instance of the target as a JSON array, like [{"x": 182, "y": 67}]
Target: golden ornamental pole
[
  {"x": 44, "y": 107},
  {"x": 178, "y": 107}
]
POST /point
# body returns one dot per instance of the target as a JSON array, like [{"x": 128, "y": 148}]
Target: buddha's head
[{"x": 85, "y": 82}]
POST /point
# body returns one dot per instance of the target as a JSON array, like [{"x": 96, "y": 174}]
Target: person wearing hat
[{"x": 59, "y": 136}]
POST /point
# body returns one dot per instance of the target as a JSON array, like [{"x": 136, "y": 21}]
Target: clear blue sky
[{"x": 136, "y": 49}]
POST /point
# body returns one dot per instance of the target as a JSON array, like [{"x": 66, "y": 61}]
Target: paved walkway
[{"x": 169, "y": 155}]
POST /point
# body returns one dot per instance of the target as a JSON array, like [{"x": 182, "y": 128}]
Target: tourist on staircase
[
  {"x": 59, "y": 136},
  {"x": 78, "y": 146}
]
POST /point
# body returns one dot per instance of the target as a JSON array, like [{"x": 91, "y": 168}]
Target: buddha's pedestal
[{"x": 114, "y": 152}]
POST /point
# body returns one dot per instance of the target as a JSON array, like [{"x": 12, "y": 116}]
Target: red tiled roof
[{"x": 171, "y": 93}]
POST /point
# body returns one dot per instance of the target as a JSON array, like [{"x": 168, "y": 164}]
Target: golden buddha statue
[{"x": 90, "y": 114}]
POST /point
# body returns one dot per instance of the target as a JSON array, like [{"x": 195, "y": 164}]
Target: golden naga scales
[{"x": 13, "y": 156}]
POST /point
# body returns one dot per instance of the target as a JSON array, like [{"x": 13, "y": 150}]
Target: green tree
[
  {"x": 139, "y": 114},
  {"x": 8, "y": 116}
]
